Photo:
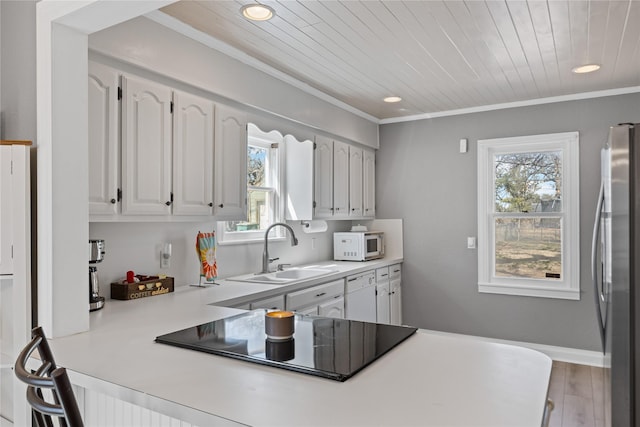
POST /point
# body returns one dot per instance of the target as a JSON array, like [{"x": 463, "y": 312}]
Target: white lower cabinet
[
  {"x": 272, "y": 303},
  {"x": 327, "y": 298},
  {"x": 395, "y": 297},
  {"x": 389, "y": 295},
  {"x": 333, "y": 308}
]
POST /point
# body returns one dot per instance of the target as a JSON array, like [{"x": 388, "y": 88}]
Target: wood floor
[{"x": 577, "y": 394}]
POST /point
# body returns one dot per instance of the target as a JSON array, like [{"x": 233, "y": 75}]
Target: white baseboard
[{"x": 560, "y": 354}]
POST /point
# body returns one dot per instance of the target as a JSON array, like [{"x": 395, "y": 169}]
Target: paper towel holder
[{"x": 313, "y": 226}]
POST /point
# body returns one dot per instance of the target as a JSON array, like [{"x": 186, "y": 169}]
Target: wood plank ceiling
[{"x": 437, "y": 55}]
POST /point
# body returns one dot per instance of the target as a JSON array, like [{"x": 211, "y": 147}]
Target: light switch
[
  {"x": 464, "y": 145},
  {"x": 471, "y": 242}
]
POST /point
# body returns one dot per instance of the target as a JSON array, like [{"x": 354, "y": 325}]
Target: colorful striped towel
[{"x": 206, "y": 250}]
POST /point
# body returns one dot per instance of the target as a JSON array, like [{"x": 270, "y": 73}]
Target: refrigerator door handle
[{"x": 594, "y": 263}]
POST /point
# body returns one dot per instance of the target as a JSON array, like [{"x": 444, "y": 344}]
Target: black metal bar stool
[{"x": 47, "y": 376}]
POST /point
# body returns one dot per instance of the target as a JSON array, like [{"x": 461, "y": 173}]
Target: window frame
[
  {"x": 273, "y": 141},
  {"x": 568, "y": 287}
]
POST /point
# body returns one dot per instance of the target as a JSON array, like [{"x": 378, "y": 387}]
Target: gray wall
[
  {"x": 18, "y": 70},
  {"x": 422, "y": 178}
]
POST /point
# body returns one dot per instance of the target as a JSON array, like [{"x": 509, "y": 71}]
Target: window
[
  {"x": 528, "y": 217},
  {"x": 264, "y": 205}
]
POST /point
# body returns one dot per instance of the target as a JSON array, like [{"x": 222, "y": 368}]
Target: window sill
[
  {"x": 250, "y": 241},
  {"x": 540, "y": 292}
]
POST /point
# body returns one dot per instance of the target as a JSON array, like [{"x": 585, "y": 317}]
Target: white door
[
  {"x": 103, "y": 140},
  {"x": 6, "y": 229},
  {"x": 369, "y": 184},
  {"x": 382, "y": 303},
  {"x": 340, "y": 179},
  {"x": 395, "y": 302},
  {"x": 333, "y": 308},
  {"x": 146, "y": 147},
  {"x": 355, "y": 181},
  {"x": 323, "y": 185},
  {"x": 230, "y": 187},
  {"x": 192, "y": 155}
]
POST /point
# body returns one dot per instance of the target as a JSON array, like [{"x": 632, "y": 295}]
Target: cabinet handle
[
  {"x": 210, "y": 205},
  {"x": 221, "y": 205},
  {"x": 320, "y": 294},
  {"x": 168, "y": 203},
  {"x": 337, "y": 209},
  {"x": 113, "y": 201}
]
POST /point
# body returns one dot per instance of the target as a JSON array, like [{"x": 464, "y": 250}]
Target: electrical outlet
[{"x": 164, "y": 262}]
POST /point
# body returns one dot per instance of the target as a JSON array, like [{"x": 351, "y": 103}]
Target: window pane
[
  {"x": 528, "y": 248},
  {"x": 259, "y": 212},
  {"x": 257, "y": 166},
  {"x": 528, "y": 182}
]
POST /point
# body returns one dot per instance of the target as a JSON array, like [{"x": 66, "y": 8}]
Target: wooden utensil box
[{"x": 151, "y": 286}]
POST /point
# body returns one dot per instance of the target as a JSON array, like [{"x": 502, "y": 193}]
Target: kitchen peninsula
[{"x": 429, "y": 379}]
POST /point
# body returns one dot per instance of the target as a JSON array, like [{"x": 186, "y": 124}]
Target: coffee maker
[{"x": 96, "y": 255}]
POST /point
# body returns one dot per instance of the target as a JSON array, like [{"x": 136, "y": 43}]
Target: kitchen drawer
[
  {"x": 395, "y": 271},
  {"x": 315, "y": 294},
  {"x": 382, "y": 274},
  {"x": 273, "y": 303},
  {"x": 362, "y": 280}
]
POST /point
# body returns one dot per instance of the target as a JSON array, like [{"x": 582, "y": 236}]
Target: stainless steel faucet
[{"x": 265, "y": 255}]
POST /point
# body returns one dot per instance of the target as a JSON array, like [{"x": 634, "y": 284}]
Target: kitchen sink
[{"x": 286, "y": 276}]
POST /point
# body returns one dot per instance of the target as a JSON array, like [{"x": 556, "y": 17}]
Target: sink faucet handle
[
  {"x": 273, "y": 259},
  {"x": 282, "y": 266}
]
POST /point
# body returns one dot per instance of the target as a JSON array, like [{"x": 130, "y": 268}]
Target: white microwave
[{"x": 358, "y": 245}]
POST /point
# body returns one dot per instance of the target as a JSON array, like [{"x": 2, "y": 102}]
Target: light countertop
[{"x": 429, "y": 379}]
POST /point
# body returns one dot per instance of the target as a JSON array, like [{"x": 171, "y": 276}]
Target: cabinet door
[
  {"x": 395, "y": 302},
  {"x": 369, "y": 184},
  {"x": 309, "y": 311},
  {"x": 323, "y": 185},
  {"x": 340, "y": 179},
  {"x": 6, "y": 229},
  {"x": 230, "y": 191},
  {"x": 192, "y": 155},
  {"x": 103, "y": 140},
  {"x": 272, "y": 303},
  {"x": 146, "y": 147},
  {"x": 332, "y": 308},
  {"x": 355, "y": 181},
  {"x": 382, "y": 303}
]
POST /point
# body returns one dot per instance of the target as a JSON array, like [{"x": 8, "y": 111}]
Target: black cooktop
[{"x": 321, "y": 346}]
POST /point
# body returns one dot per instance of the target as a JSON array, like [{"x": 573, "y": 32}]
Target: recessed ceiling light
[
  {"x": 392, "y": 99},
  {"x": 257, "y": 12},
  {"x": 589, "y": 68}
]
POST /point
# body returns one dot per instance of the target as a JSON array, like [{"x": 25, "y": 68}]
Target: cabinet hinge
[
  {"x": 314, "y": 204},
  {"x": 119, "y": 194},
  {"x": 315, "y": 145},
  {"x": 119, "y": 93},
  {"x": 11, "y": 251},
  {"x": 11, "y": 168},
  {"x": 171, "y": 107},
  {"x": 171, "y": 197}
]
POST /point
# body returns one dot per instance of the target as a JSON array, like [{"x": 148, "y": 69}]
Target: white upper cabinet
[
  {"x": 355, "y": 181},
  {"x": 369, "y": 184},
  {"x": 340, "y": 179},
  {"x": 298, "y": 178},
  {"x": 192, "y": 155},
  {"x": 323, "y": 184},
  {"x": 344, "y": 180},
  {"x": 6, "y": 227},
  {"x": 146, "y": 147},
  {"x": 104, "y": 195},
  {"x": 230, "y": 164}
]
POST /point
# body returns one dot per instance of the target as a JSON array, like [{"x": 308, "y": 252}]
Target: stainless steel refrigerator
[{"x": 616, "y": 272}]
